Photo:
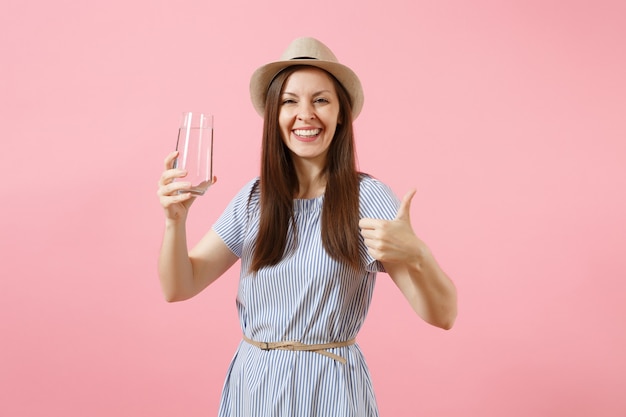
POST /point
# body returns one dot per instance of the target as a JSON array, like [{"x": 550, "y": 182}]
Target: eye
[
  {"x": 321, "y": 100},
  {"x": 288, "y": 101}
]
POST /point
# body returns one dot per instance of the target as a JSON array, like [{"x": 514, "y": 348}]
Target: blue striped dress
[{"x": 307, "y": 297}]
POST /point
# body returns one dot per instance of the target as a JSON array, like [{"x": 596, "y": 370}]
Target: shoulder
[
  {"x": 251, "y": 185},
  {"x": 250, "y": 190},
  {"x": 246, "y": 197},
  {"x": 372, "y": 187},
  {"x": 376, "y": 199}
]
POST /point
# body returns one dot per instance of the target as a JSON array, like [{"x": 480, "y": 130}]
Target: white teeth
[{"x": 307, "y": 133}]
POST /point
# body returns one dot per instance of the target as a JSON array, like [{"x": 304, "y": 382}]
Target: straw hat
[{"x": 306, "y": 51}]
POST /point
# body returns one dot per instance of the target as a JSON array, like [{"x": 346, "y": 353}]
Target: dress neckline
[{"x": 308, "y": 204}]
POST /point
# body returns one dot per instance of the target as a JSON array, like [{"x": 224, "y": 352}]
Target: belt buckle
[{"x": 264, "y": 345}]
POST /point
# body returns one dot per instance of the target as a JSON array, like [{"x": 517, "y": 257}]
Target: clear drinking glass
[{"x": 195, "y": 144}]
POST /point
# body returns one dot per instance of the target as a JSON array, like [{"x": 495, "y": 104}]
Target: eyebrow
[{"x": 315, "y": 94}]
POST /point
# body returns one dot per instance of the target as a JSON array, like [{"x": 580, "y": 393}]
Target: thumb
[{"x": 404, "y": 212}]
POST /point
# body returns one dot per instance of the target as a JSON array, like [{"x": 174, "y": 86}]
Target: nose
[{"x": 306, "y": 111}]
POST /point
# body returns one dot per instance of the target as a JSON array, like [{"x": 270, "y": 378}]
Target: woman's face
[{"x": 309, "y": 112}]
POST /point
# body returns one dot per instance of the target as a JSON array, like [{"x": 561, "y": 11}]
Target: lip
[{"x": 307, "y": 138}]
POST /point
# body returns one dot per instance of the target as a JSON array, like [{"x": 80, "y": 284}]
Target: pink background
[{"x": 508, "y": 117}]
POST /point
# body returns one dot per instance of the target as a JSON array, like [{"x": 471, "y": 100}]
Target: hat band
[{"x": 291, "y": 59}]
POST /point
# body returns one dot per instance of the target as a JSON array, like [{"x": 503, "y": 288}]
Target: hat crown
[
  {"x": 308, "y": 48},
  {"x": 311, "y": 52}
]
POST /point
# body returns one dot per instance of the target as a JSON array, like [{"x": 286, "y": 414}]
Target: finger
[
  {"x": 370, "y": 224},
  {"x": 404, "y": 212},
  {"x": 368, "y": 234},
  {"x": 169, "y": 160},
  {"x": 172, "y": 188},
  {"x": 170, "y": 200},
  {"x": 168, "y": 176}
]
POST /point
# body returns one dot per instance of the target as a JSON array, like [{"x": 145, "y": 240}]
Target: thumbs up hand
[
  {"x": 404, "y": 212},
  {"x": 393, "y": 241}
]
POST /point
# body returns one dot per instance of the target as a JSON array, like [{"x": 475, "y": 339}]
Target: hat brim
[{"x": 263, "y": 76}]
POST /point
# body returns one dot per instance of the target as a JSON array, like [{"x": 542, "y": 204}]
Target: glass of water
[{"x": 195, "y": 146}]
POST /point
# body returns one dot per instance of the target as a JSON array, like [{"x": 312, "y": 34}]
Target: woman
[{"x": 311, "y": 232}]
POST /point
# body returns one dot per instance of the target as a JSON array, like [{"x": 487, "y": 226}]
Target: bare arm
[
  {"x": 412, "y": 267},
  {"x": 183, "y": 273},
  {"x": 428, "y": 289}
]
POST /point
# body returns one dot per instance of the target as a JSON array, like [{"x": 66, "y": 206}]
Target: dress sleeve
[
  {"x": 231, "y": 226},
  {"x": 377, "y": 201}
]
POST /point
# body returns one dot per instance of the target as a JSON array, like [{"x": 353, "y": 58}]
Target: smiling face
[{"x": 309, "y": 113}]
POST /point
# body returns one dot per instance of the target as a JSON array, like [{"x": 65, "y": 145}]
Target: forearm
[
  {"x": 435, "y": 291},
  {"x": 430, "y": 292},
  {"x": 175, "y": 267}
]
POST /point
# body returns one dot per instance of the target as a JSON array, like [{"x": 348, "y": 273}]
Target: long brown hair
[{"x": 279, "y": 185}]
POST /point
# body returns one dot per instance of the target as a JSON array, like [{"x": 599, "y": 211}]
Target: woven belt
[{"x": 295, "y": 345}]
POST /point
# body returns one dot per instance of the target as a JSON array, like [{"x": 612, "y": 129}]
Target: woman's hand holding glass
[{"x": 174, "y": 192}]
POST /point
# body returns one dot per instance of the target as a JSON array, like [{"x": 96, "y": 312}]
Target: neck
[{"x": 311, "y": 181}]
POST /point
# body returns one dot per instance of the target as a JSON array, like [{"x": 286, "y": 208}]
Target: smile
[{"x": 307, "y": 133}]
